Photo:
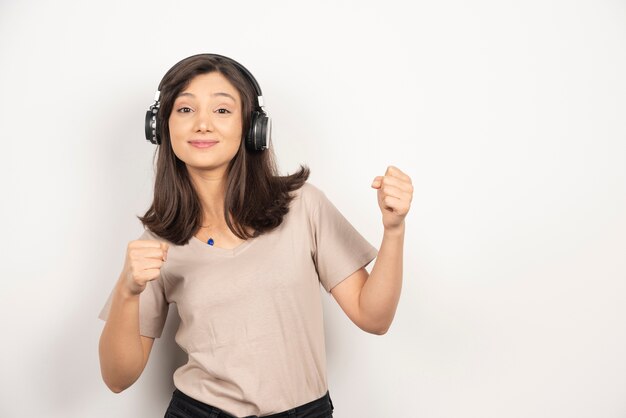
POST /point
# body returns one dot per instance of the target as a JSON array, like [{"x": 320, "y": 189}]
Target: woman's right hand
[{"x": 144, "y": 259}]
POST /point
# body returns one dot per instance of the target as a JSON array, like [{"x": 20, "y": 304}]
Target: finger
[
  {"x": 396, "y": 172},
  {"x": 139, "y": 253},
  {"x": 398, "y": 183},
  {"x": 151, "y": 263},
  {"x": 149, "y": 275},
  {"x": 165, "y": 247},
  {"x": 397, "y": 206},
  {"x": 377, "y": 182},
  {"x": 155, "y": 253},
  {"x": 397, "y": 193}
]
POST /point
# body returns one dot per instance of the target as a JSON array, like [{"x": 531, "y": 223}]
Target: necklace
[{"x": 210, "y": 241}]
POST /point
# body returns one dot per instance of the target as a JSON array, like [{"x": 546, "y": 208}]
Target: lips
[{"x": 203, "y": 143}]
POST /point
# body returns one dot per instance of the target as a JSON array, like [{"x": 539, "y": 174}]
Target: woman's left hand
[{"x": 395, "y": 193}]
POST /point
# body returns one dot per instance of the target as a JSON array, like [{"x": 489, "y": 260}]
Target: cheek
[
  {"x": 235, "y": 126},
  {"x": 176, "y": 133},
  {"x": 235, "y": 132},
  {"x": 178, "y": 130},
  {"x": 175, "y": 126}
]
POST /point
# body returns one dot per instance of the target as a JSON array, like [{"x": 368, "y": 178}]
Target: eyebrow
[{"x": 213, "y": 95}]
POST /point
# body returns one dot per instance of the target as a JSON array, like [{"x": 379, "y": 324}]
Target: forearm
[
  {"x": 121, "y": 352},
  {"x": 381, "y": 292}
]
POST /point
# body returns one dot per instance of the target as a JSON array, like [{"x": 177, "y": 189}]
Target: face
[{"x": 206, "y": 124}]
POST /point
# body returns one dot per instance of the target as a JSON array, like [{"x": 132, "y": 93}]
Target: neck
[{"x": 211, "y": 189}]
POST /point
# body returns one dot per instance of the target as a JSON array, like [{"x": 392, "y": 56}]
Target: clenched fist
[
  {"x": 144, "y": 259},
  {"x": 395, "y": 193}
]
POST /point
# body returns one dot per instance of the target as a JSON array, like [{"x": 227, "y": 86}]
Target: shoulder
[
  {"x": 310, "y": 192},
  {"x": 309, "y": 196}
]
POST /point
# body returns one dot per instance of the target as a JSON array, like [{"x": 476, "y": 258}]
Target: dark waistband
[{"x": 320, "y": 402}]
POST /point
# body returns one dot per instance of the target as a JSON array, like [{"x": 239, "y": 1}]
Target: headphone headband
[{"x": 241, "y": 68}]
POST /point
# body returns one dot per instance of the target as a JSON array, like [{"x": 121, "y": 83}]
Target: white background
[{"x": 509, "y": 117}]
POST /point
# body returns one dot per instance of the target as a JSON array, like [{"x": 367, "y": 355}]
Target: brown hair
[{"x": 257, "y": 197}]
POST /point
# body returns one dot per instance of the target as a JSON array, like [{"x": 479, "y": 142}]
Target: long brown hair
[{"x": 257, "y": 197}]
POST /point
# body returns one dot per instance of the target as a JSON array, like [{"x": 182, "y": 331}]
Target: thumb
[
  {"x": 377, "y": 183},
  {"x": 165, "y": 246}
]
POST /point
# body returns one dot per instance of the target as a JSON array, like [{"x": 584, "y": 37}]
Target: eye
[
  {"x": 184, "y": 109},
  {"x": 223, "y": 111}
]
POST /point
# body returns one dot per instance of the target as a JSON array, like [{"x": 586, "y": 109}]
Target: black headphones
[{"x": 257, "y": 138}]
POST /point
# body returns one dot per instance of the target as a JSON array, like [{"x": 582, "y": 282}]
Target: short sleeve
[
  {"x": 338, "y": 249},
  {"x": 153, "y": 304}
]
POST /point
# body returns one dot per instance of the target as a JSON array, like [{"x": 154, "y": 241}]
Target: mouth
[{"x": 202, "y": 143}]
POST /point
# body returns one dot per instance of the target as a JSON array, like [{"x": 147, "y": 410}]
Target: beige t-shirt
[{"x": 251, "y": 317}]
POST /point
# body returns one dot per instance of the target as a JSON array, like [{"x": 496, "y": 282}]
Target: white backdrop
[{"x": 509, "y": 116}]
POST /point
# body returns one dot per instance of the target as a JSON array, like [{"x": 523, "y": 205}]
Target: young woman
[{"x": 242, "y": 251}]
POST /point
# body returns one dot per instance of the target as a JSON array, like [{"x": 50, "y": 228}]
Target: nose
[{"x": 203, "y": 122}]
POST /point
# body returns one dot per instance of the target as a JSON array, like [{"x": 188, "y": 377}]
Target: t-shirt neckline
[{"x": 221, "y": 251}]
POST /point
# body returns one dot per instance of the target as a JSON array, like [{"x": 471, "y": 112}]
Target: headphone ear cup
[
  {"x": 151, "y": 125},
  {"x": 258, "y": 138}
]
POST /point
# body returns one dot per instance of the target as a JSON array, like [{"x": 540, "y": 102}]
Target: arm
[
  {"x": 370, "y": 301},
  {"x": 123, "y": 352}
]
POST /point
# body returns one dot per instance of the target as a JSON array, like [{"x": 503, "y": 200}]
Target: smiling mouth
[{"x": 203, "y": 144}]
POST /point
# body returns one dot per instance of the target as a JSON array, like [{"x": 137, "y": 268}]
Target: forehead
[{"x": 211, "y": 84}]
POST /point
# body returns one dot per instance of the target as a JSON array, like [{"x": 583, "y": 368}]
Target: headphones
[{"x": 257, "y": 137}]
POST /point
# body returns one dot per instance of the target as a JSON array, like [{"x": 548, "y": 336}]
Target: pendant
[{"x": 210, "y": 241}]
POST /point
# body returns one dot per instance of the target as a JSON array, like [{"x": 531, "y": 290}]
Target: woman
[{"x": 242, "y": 252}]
